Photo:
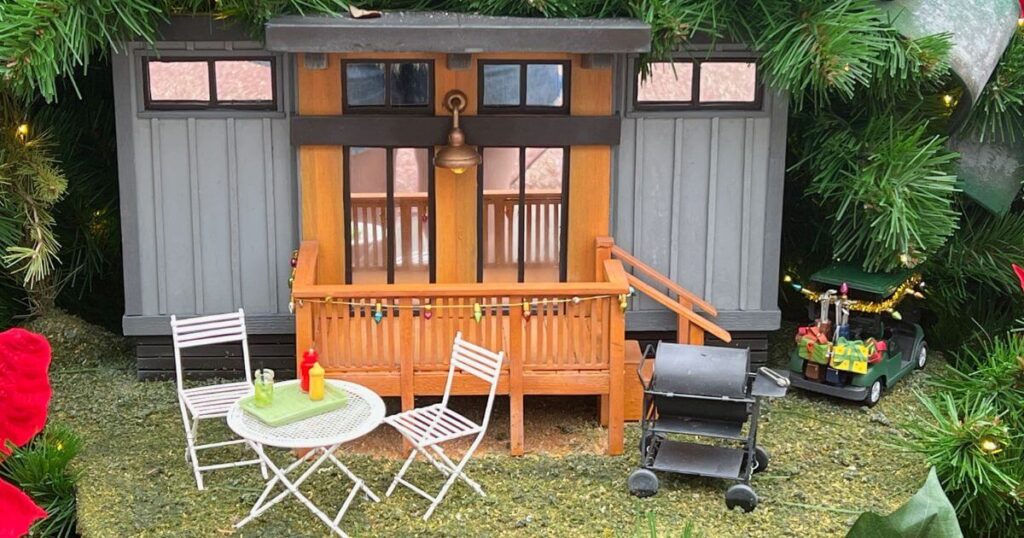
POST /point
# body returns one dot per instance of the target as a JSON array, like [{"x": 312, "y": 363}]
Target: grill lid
[{"x": 701, "y": 370}]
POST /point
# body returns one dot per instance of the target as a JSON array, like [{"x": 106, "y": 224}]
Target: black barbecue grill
[{"x": 704, "y": 392}]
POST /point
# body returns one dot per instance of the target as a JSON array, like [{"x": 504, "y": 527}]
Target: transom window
[
  {"x": 522, "y": 214},
  {"x": 389, "y": 215},
  {"x": 388, "y": 86},
  {"x": 209, "y": 83},
  {"x": 695, "y": 84},
  {"x": 524, "y": 87}
]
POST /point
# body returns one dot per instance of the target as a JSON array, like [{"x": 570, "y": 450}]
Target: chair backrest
[
  {"x": 209, "y": 330},
  {"x": 476, "y": 361}
]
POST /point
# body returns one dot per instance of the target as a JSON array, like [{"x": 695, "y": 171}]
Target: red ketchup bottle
[{"x": 309, "y": 358}]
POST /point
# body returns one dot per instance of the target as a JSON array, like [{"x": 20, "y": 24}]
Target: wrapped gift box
[
  {"x": 851, "y": 356},
  {"x": 820, "y": 353}
]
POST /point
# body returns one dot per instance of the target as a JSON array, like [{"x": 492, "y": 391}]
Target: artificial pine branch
[
  {"x": 886, "y": 182},
  {"x": 999, "y": 112}
]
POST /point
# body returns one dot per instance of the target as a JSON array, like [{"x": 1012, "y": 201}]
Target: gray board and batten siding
[
  {"x": 698, "y": 196},
  {"x": 208, "y": 200}
]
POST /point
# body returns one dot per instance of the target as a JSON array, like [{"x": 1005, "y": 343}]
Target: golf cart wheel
[
  {"x": 643, "y": 483},
  {"x": 922, "y": 356},
  {"x": 761, "y": 458},
  {"x": 741, "y": 495},
  {"x": 874, "y": 394}
]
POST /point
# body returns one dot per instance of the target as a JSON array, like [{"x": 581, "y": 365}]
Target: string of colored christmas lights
[
  {"x": 911, "y": 286},
  {"x": 427, "y": 308}
]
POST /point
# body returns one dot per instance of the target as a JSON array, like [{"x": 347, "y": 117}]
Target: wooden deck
[{"x": 559, "y": 338}]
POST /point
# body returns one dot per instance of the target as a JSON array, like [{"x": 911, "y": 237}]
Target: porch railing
[
  {"x": 542, "y": 218},
  {"x": 568, "y": 338}
]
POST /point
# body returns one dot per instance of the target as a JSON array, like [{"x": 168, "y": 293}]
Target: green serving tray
[{"x": 290, "y": 404}]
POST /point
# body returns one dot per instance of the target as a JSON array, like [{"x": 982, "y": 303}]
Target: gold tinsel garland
[{"x": 889, "y": 304}]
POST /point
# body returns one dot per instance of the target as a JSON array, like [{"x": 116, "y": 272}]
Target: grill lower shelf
[
  {"x": 696, "y": 459},
  {"x": 706, "y": 428}
]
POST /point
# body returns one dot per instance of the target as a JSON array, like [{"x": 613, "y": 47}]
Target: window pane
[
  {"x": 731, "y": 82},
  {"x": 412, "y": 218},
  {"x": 179, "y": 81},
  {"x": 244, "y": 80},
  {"x": 364, "y": 84},
  {"x": 500, "y": 248},
  {"x": 543, "y": 208},
  {"x": 501, "y": 84},
  {"x": 368, "y": 177},
  {"x": 667, "y": 82},
  {"x": 410, "y": 83},
  {"x": 544, "y": 85}
]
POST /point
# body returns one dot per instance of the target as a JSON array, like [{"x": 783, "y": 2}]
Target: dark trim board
[
  {"x": 254, "y": 324},
  {"x": 755, "y": 341},
  {"x": 435, "y": 31},
  {"x": 155, "y": 357},
  {"x": 730, "y": 320},
  {"x": 486, "y": 130}
]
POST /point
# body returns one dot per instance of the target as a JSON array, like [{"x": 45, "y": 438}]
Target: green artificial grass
[{"x": 830, "y": 461}]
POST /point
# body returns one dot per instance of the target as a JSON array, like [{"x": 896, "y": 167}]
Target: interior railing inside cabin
[{"x": 541, "y": 224}]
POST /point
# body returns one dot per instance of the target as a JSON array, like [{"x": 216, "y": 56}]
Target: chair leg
[
  {"x": 448, "y": 466},
  {"x": 456, "y": 473},
  {"x": 401, "y": 472},
  {"x": 190, "y": 442}
]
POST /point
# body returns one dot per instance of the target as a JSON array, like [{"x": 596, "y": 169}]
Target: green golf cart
[{"x": 859, "y": 344}]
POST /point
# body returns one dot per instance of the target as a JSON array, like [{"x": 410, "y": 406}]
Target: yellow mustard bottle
[{"x": 316, "y": 382}]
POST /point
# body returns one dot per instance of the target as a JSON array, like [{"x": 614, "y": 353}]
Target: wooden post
[
  {"x": 603, "y": 247},
  {"x": 683, "y": 324},
  {"x": 616, "y": 381},
  {"x": 515, "y": 379},
  {"x": 406, "y": 366},
  {"x": 616, "y": 361},
  {"x": 696, "y": 335},
  {"x": 305, "y": 276}
]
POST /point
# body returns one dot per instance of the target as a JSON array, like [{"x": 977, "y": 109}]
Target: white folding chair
[
  {"x": 428, "y": 427},
  {"x": 210, "y": 401}
]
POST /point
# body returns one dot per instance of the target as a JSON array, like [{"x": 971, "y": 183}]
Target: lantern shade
[{"x": 980, "y": 29}]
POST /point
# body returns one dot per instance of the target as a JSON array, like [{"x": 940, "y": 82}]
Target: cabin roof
[
  {"x": 455, "y": 33},
  {"x": 861, "y": 280}
]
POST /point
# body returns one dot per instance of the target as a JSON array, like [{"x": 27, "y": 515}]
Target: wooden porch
[{"x": 560, "y": 338}]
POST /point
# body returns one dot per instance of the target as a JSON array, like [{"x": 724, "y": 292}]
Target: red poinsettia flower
[
  {"x": 17, "y": 511},
  {"x": 24, "y": 398},
  {"x": 1018, "y": 269},
  {"x": 24, "y": 386}
]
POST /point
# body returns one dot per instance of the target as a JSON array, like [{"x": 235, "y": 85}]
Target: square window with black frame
[
  {"x": 523, "y": 87},
  {"x": 522, "y": 214},
  {"x": 387, "y": 86},
  {"x": 209, "y": 83},
  {"x": 713, "y": 83}
]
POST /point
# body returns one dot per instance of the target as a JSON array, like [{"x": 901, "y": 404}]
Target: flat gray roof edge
[{"x": 455, "y": 33}]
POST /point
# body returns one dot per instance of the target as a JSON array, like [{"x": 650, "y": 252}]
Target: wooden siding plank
[
  {"x": 758, "y": 209},
  {"x": 691, "y": 248},
  {"x": 257, "y": 286},
  {"x": 320, "y": 169},
  {"x": 195, "y": 211},
  {"x": 216, "y": 216},
  {"x": 589, "y": 173},
  {"x": 728, "y": 211},
  {"x": 174, "y": 198}
]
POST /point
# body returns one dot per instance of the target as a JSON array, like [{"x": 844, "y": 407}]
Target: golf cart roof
[{"x": 860, "y": 280}]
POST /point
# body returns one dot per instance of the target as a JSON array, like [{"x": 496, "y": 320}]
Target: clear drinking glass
[{"x": 264, "y": 386}]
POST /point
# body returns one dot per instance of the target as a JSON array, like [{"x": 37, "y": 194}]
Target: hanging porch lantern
[{"x": 456, "y": 155}]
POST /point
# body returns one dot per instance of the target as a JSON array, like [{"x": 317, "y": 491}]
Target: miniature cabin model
[{"x": 513, "y": 179}]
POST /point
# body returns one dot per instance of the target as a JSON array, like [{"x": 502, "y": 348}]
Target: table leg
[{"x": 280, "y": 476}]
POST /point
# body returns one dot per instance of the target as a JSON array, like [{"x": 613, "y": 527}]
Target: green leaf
[{"x": 928, "y": 514}]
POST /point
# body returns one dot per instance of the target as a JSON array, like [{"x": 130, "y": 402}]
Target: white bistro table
[{"x": 322, "y": 434}]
